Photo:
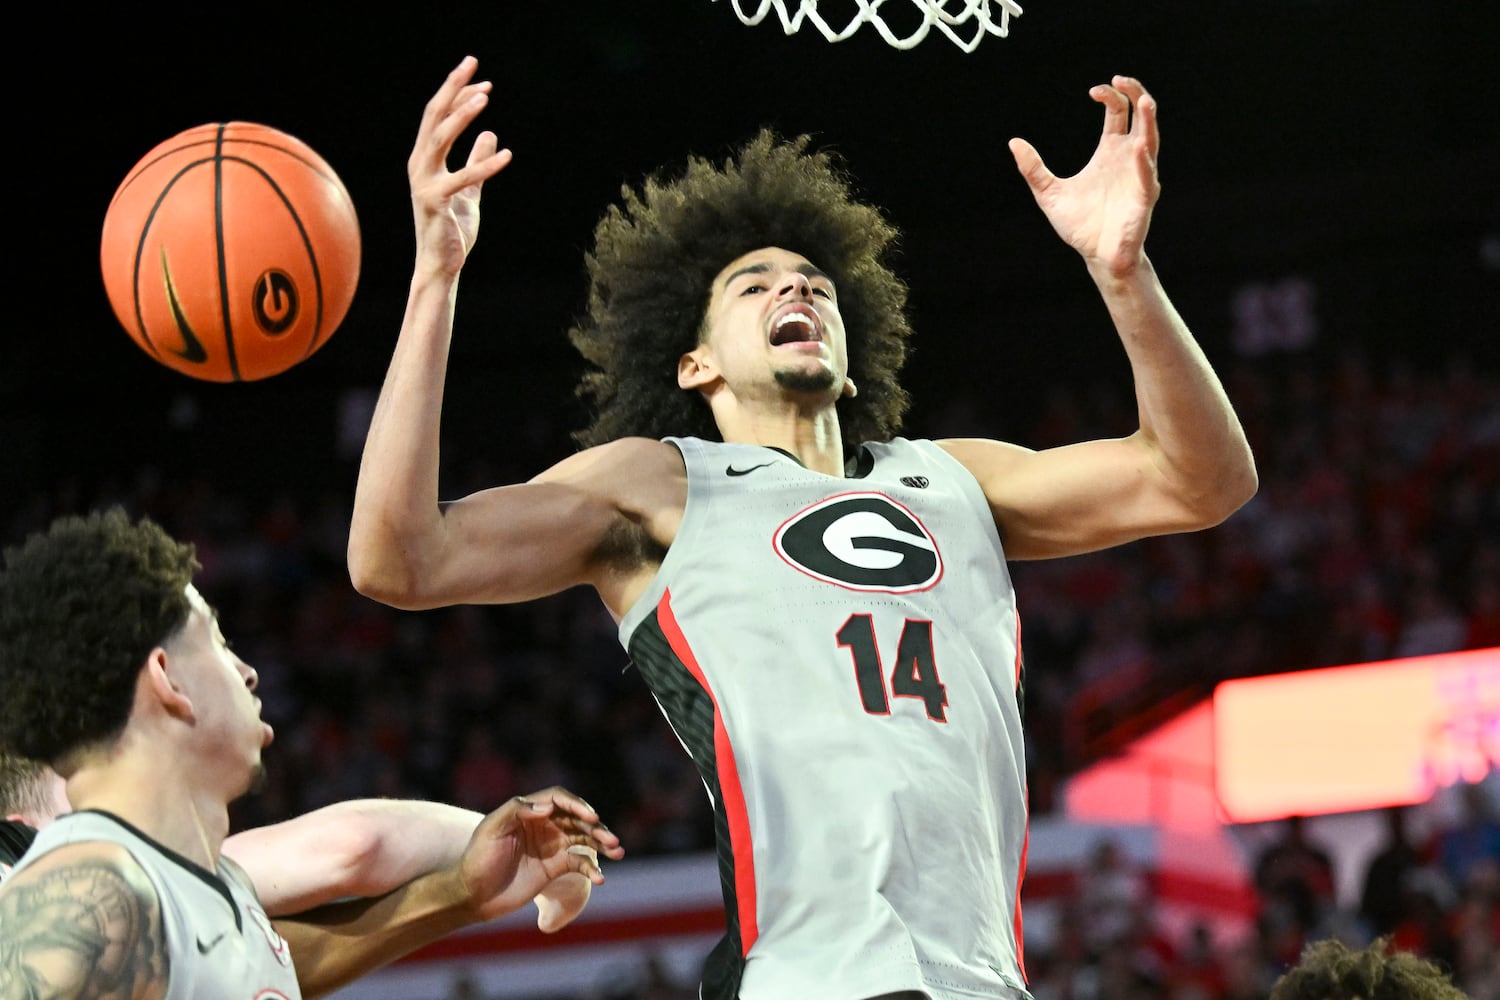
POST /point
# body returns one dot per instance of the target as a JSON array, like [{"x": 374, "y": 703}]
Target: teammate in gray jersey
[
  {"x": 117, "y": 674},
  {"x": 358, "y": 848},
  {"x": 821, "y": 608}
]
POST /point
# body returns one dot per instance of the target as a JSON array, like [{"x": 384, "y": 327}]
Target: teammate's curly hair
[
  {"x": 81, "y": 606},
  {"x": 1330, "y": 970},
  {"x": 651, "y": 272}
]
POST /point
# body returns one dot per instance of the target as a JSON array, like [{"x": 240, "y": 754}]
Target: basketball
[{"x": 230, "y": 252}]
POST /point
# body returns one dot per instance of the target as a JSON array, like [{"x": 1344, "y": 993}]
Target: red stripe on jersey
[
  {"x": 1019, "y": 659},
  {"x": 1026, "y": 841},
  {"x": 1020, "y": 878},
  {"x": 729, "y": 782}
]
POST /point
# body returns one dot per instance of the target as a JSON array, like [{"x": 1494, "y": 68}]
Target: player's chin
[{"x": 807, "y": 378}]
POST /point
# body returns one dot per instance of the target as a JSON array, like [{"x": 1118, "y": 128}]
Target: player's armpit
[{"x": 84, "y": 923}]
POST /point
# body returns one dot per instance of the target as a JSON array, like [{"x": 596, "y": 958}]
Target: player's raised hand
[
  {"x": 1104, "y": 210},
  {"x": 445, "y": 202},
  {"x": 530, "y": 847}
]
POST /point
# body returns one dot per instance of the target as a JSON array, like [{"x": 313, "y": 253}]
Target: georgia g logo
[{"x": 863, "y": 541}]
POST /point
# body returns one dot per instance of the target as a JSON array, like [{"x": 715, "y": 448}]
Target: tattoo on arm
[{"x": 86, "y": 930}]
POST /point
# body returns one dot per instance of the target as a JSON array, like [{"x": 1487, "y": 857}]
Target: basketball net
[{"x": 975, "y": 18}]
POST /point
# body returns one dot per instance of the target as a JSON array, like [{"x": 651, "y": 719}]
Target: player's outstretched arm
[
  {"x": 363, "y": 847},
  {"x": 517, "y": 851},
  {"x": 368, "y": 847},
  {"x": 396, "y": 497},
  {"x": 1189, "y": 465},
  {"x": 508, "y": 544},
  {"x": 84, "y": 921}
]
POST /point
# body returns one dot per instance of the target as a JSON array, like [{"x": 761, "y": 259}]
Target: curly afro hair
[
  {"x": 651, "y": 274},
  {"x": 1330, "y": 970},
  {"x": 82, "y": 605}
]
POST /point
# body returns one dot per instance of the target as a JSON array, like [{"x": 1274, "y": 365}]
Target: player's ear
[
  {"x": 850, "y": 389},
  {"x": 696, "y": 369},
  {"x": 158, "y": 685}
]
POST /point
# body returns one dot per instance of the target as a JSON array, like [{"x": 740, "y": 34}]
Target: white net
[{"x": 965, "y": 22}]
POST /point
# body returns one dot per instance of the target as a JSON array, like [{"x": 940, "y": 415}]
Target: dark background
[{"x": 1353, "y": 144}]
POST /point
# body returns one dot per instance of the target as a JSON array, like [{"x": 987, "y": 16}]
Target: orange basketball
[{"x": 231, "y": 252}]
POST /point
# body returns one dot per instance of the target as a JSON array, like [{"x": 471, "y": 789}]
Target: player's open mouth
[{"x": 795, "y": 326}]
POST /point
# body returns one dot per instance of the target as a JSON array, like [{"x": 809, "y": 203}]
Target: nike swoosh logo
[
  {"x": 204, "y": 949},
  {"x": 730, "y": 470},
  {"x": 192, "y": 348}
]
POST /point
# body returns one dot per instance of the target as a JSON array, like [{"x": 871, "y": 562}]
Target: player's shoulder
[
  {"x": 86, "y": 910},
  {"x": 98, "y": 869},
  {"x": 985, "y": 457}
]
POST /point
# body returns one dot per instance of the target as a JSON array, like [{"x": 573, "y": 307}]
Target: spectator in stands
[
  {"x": 1472, "y": 840},
  {"x": 1298, "y": 873},
  {"x": 1383, "y": 893}
]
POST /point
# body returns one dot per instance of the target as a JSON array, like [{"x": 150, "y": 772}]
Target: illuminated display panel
[{"x": 1358, "y": 737}]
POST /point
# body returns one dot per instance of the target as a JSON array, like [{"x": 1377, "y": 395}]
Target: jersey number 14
[{"x": 913, "y": 676}]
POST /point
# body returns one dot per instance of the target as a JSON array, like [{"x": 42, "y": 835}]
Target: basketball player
[
  {"x": 31, "y": 795},
  {"x": 360, "y": 848},
  {"x": 1331, "y": 970},
  {"x": 116, "y": 672},
  {"x": 822, "y": 609}
]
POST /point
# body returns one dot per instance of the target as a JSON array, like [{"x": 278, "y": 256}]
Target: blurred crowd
[
  {"x": 1375, "y": 534},
  {"x": 1436, "y": 895}
]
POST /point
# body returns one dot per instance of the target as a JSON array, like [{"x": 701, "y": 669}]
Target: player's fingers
[
  {"x": 1145, "y": 123},
  {"x": 466, "y": 107},
  {"x": 585, "y": 860},
  {"x": 1132, "y": 88},
  {"x": 1140, "y": 101},
  {"x": 1116, "y": 108},
  {"x": 485, "y": 146},
  {"x": 439, "y": 104},
  {"x": 435, "y": 140},
  {"x": 603, "y": 839},
  {"x": 576, "y": 818},
  {"x": 594, "y": 835},
  {"x": 570, "y": 802},
  {"x": 485, "y": 161},
  {"x": 1029, "y": 162},
  {"x": 535, "y": 803}
]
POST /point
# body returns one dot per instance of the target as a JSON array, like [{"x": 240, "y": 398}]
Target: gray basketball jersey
[
  {"x": 220, "y": 943},
  {"x": 840, "y": 657}
]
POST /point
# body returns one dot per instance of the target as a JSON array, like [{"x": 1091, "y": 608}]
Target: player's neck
[
  {"x": 154, "y": 796},
  {"x": 815, "y": 439}
]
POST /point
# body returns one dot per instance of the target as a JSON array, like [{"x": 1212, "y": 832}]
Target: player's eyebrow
[{"x": 763, "y": 267}]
